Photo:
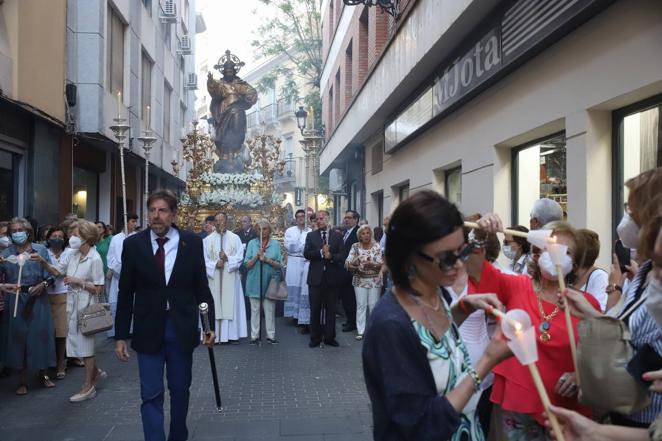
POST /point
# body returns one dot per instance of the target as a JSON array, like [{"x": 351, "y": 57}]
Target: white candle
[
  {"x": 148, "y": 117},
  {"x": 119, "y": 101},
  {"x": 21, "y": 261}
]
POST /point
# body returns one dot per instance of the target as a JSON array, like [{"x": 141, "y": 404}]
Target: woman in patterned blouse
[{"x": 365, "y": 261}]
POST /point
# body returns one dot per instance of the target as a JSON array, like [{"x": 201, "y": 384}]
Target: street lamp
[
  {"x": 392, "y": 7},
  {"x": 311, "y": 144},
  {"x": 301, "y": 116}
]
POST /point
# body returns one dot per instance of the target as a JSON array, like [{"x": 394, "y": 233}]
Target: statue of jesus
[{"x": 230, "y": 98}]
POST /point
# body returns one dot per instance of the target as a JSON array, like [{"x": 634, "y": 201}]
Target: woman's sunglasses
[{"x": 447, "y": 260}]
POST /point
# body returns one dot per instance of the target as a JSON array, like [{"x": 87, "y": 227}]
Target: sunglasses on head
[{"x": 447, "y": 260}]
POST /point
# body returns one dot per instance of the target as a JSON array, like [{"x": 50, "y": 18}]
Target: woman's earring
[{"x": 411, "y": 273}]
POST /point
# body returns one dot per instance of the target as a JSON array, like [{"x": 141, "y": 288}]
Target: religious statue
[{"x": 230, "y": 98}]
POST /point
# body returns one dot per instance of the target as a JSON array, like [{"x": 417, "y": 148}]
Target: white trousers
[
  {"x": 366, "y": 298},
  {"x": 269, "y": 317}
]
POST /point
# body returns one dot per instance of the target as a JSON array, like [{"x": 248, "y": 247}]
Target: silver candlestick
[
  {"x": 120, "y": 128},
  {"x": 148, "y": 140}
]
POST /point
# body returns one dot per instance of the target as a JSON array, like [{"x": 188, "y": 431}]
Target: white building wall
[
  {"x": 87, "y": 58},
  {"x": 611, "y": 61}
]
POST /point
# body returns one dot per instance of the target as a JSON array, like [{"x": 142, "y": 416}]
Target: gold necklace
[
  {"x": 545, "y": 325},
  {"x": 422, "y": 303}
]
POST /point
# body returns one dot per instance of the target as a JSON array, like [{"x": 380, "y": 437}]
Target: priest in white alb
[
  {"x": 297, "y": 304},
  {"x": 224, "y": 255}
]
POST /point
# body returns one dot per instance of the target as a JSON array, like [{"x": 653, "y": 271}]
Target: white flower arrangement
[
  {"x": 242, "y": 198},
  {"x": 235, "y": 179}
]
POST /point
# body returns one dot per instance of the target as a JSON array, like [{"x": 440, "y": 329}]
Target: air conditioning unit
[
  {"x": 337, "y": 180},
  {"x": 168, "y": 12},
  {"x": 184, "y": 45},
  {"x": 192, "y": 82}
]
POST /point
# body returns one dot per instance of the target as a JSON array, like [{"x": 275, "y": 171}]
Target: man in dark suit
[
  {"x": 347, "y": 296},
  {"x": 163, "y": 280},
  {"x": 324, "y": 249}
]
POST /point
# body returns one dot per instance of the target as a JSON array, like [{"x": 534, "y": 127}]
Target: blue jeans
[{"x": 178, "y": 371}]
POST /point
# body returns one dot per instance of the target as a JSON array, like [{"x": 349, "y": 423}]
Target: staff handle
[
  {"x": 505, "y": 231},
  {"x": 568, "y": 324},
  {"x": 556, "y": 427}
]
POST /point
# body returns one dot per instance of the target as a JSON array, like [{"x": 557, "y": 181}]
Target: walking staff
[{"x": 204, "y": 312}]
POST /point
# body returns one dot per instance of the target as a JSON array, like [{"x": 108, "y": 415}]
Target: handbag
[
  {"x": 602, "y": 356},
  {"x": 277, "y": 289},
  {"x": 95, "y": 318}
]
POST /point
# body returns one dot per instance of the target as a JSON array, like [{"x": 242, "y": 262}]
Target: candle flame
[
  {"x": 518, "y": 327},
  {"x": 552, "y": 239}
]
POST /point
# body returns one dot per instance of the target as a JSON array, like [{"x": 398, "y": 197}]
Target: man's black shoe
[
  {"x": 348, "y": 328},
  {"x": 313, "y": 344},
  {"x": 333, "y": 343}
]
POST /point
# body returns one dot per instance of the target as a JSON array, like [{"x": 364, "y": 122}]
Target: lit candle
[
  {"x": 148, "y": 117},
  {"x": 21, "y": 261},
  {"x": 119, "y": 102},
  {"x": 522, "y": 341}
]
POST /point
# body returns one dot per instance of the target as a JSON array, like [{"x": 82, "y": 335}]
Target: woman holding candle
[
  {"x": 420, "y": 378},
  {"x": 262, "y": 254},
  {"x": 638, "y": 229},
  {"x": 31, "y": 341},
  {"x": 513, "y": 388}
]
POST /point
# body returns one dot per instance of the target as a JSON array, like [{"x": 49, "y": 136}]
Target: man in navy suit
[
  {"x": 163, "y": 280},
  {"x": 325, "y": 250}
]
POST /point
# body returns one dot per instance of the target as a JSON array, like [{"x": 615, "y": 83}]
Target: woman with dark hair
[
  {"x": 516, "y": 250},
  {"x": 103, "y": 244},
  {"x": 56, "y": 240},
  {"x": 419, "y": 376}
]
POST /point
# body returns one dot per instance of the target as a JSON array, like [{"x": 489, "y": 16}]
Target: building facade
[
  {"x": 135, "y": 59},
  {"x": 495, "y": 104},
  {"x": 60, "y": 75},
  {"x": 32, "y": 108}
]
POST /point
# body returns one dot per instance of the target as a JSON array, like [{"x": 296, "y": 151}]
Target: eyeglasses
[{"x": 447, "y": 260}]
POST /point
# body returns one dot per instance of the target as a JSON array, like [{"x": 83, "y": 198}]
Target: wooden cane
[
  {"x": 556, "y": 427},
  {"x": 568, "y": 324}
]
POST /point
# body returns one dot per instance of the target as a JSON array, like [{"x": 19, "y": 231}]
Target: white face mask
[
  {"x": 509, "y": 252},
  {"x": 4, "y": 242},
  {"x": 628, "y": 231},
  {"x": 75, "y": 242},
  {"x": 548, "y": 269},
  {"x": 654, "y": 300}
]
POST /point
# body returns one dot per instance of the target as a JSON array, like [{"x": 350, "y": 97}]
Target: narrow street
[{"x": 284, "y": 392}]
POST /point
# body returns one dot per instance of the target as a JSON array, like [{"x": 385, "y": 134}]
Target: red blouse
[{"x": 514, "y": 389}]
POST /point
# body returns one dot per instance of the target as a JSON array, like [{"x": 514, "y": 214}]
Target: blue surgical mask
[{"x": 19, "y": 237}]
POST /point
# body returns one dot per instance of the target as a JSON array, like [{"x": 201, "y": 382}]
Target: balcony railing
[
  {"x": 270, "y": 113},
  {"x": 286, "y": 108}
]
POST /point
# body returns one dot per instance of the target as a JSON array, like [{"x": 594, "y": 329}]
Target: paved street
[{"x": 284, "y": 392}]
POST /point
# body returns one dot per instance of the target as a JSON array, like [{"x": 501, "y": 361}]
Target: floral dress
[
  {"x": 364, "y": 277},
  {"x": 450, "y": 363}
]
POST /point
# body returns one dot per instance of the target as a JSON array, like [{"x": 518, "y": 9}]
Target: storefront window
[
  {"x": 641, "y": 142},
  {"x": 453, "y": 185},
  {"x": 85, "y": 196},
  {"x": 539, "y": 172}
]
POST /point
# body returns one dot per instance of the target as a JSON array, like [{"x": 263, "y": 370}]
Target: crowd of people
[
  {"x": 437, "y": 365},
  {"x": 419, "y": 295}
]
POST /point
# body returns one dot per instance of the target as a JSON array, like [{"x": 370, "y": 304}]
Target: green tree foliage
[{"x": 293, "y": 29}]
